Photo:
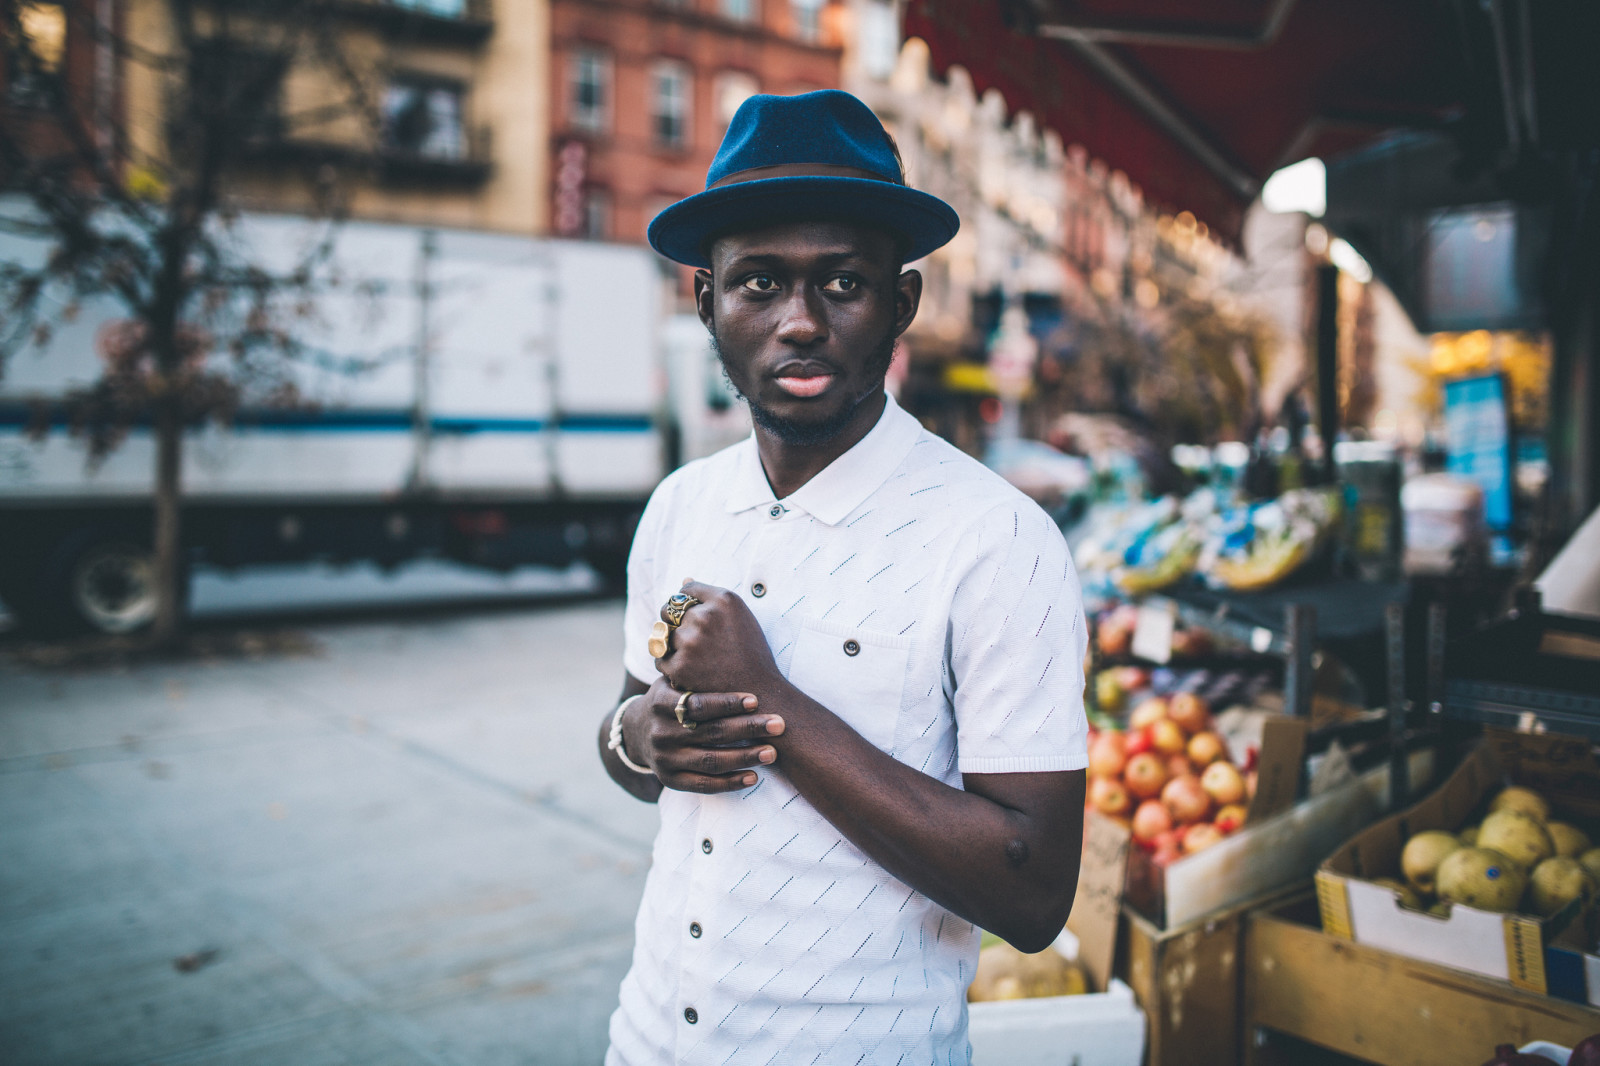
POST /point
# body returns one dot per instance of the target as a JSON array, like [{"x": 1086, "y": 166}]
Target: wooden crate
[
  {"x": 1382, "y": 1007},
  {"x": 1188, "y": 981}
]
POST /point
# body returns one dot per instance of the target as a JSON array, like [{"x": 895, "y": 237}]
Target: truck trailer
[{"x": 492, "y": 399}]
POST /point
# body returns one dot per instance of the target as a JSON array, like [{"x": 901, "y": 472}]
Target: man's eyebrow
[{"x": 748, "y": 260}]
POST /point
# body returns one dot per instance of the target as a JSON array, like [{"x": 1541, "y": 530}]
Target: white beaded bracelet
[{"x": 615, "y": 743}]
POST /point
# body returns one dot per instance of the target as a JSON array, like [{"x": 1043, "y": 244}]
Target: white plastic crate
[{"x": 1100, "y": 1029}]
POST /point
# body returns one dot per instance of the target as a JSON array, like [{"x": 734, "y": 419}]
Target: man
[{"x": 854, "y": 655}]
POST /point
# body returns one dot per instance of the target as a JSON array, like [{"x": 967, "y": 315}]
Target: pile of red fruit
[{"x": 1169, "y": 778}]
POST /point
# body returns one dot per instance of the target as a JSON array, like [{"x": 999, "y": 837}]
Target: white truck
[{"x": 516, "y": 411}]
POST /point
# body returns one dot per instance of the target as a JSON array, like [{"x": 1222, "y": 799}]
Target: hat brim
[{"x": 684, "y": 231}]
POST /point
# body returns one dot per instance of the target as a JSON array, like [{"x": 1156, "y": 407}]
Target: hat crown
[{"x": 826, "y": 127}]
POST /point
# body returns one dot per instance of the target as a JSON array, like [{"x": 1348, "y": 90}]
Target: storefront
[{"x": 1312, "y": 664}]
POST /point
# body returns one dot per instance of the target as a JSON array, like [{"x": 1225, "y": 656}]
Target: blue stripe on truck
[{"x": 18, "y": 416}]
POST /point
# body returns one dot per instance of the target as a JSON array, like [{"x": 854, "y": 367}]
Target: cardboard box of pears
[{"x": 1487, "y": 871}]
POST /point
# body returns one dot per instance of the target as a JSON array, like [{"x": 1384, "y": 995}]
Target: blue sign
[{"x": 1478, "y": 424}]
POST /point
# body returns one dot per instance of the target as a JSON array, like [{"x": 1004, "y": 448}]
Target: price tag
[
  {"x": 1099, "y": 900},
  {"x": 1152, "y": 634},
  {"x": 1260, "y": 640}
]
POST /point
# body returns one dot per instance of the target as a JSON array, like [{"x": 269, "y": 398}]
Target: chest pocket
[{"x": 855, "y": 673}]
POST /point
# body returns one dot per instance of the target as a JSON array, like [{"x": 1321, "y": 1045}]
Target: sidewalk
[{"x": 400, "y": 851}]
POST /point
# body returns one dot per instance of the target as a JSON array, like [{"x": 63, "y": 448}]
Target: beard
[{"x": 810, "y": 434}]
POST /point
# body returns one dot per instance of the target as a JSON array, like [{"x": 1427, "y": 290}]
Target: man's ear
[
  {"x": 702, "y": 298},
  {"x": 907, "y": 298}
]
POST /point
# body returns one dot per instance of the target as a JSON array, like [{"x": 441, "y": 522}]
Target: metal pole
[
  {"x": 1394, "y": 621},
  {"x": 1301, "y": 620},
  {"x": 421, "y": 413},
  {"x": 1328, "y": 363}
]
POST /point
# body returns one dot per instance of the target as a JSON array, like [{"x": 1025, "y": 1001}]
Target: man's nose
[{"x": 802, "y": 322}]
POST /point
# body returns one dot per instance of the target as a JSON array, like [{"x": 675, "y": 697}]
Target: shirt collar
[{"x": 841, "y": 486}]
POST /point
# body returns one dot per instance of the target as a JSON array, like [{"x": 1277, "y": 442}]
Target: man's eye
[
  {"x": 761, "y": 283},
  {"x": 840, "y": 284}
]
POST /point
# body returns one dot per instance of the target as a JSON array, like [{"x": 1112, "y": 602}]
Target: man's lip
[
  {"x": 804, "y": 368},
  {"x": 805, "y": 386}
]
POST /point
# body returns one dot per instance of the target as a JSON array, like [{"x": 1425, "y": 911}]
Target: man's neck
[{"x": 789, "y": 466}]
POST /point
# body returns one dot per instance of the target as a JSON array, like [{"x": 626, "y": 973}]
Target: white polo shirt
[{"x": 935, "y": 609}]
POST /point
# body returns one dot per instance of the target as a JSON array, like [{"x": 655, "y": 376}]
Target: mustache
[{"x": 811, "y": 434}]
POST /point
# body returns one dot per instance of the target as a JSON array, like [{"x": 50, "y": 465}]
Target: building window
[
  {"x": 740, "y": 10},
  {"x": 250, "y": 81},
  {"x": 445, "y": 9},
  {"x": 596, "y": 214},
  {"x": 591, "y": 90},
  {"x": 669, "y": 103},
  {"x": 732, "y": 88},
  {"x": 423, "y": 117},
  {"x": 34, "y": 55},
  {"x": 807, "y": 15}
]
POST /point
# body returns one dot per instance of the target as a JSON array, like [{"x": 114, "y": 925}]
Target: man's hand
[
  {"x": 719, "y": 647},
  {"x": 715, "y": 756}
]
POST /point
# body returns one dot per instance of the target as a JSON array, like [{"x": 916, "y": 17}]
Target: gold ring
[
  {"x": 677, "y": 603},
  {"x": 678, "y": 710},
  {"x": 657, "y": 644}
]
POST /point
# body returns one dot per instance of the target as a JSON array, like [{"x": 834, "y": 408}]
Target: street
[{"x": 396, "y": 847}]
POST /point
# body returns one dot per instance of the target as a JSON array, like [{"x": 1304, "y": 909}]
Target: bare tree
[{"x": 139, "y": 209}]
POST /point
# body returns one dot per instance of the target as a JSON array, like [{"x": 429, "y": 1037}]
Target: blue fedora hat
[{"x": 820, "y": 155}]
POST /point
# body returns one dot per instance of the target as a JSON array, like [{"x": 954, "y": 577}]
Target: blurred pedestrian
[{"x": 853, "y": 654}]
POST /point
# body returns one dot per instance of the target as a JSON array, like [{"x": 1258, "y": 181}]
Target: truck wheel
[{"x": 101, "y": 581}]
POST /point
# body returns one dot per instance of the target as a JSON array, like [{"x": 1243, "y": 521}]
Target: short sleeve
[
  {"x": 644, "y": 603},
  {"x": 1017, "y": 641}
]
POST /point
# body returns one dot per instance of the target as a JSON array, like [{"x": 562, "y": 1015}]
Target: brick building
[{"x": 643, "y": 90}]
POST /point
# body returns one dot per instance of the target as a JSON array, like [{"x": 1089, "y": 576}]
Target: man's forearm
[{"x": 1006, "y": 861}]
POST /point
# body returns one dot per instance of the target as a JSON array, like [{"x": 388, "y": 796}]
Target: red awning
[{"x": 1198, "y": 101}]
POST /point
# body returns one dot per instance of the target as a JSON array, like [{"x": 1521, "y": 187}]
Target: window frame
[
  {"x": 426, "y": 83},
  {"x": 749, "y": 13},
  {"x": 26, "y": 88},
  {"x": 600, "y": 122},
  {"x": 719, "y": 81},
  {"x": 685, "y": 98}
]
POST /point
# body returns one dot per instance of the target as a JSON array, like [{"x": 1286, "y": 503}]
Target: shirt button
[
  {"x": 852, "y": 648},
  {"x": 776, "y": 510},
  {"x": 705, "y": 845},
  {"x": 691, "y": 1015},
  {"x": 758, "y": 590},
  {"x": 694, "y": 930}
]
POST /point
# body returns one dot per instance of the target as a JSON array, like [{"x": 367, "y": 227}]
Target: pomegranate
[
  {"x": 1223, "y": 783},
  {"x": 1200, "y": 836},
  {"x": 1230, "y": 816},
  {"x": 1167, "y": 738},
  {"x": 1115, "y": 632},
  {"x": 1150, "y": 711},
  {"x": 1189, "y": 711},
  {"x": 1131, "y": 678},
  {"x": 1107, "y": 755},
  {"x": 1204, "y": 748},
  {"x": 1108, "y": 796},
  {"x": 1149, "y": 821},
  {"x": 1185, "y": 799},
  {"x": 1144, "y": 775}
]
